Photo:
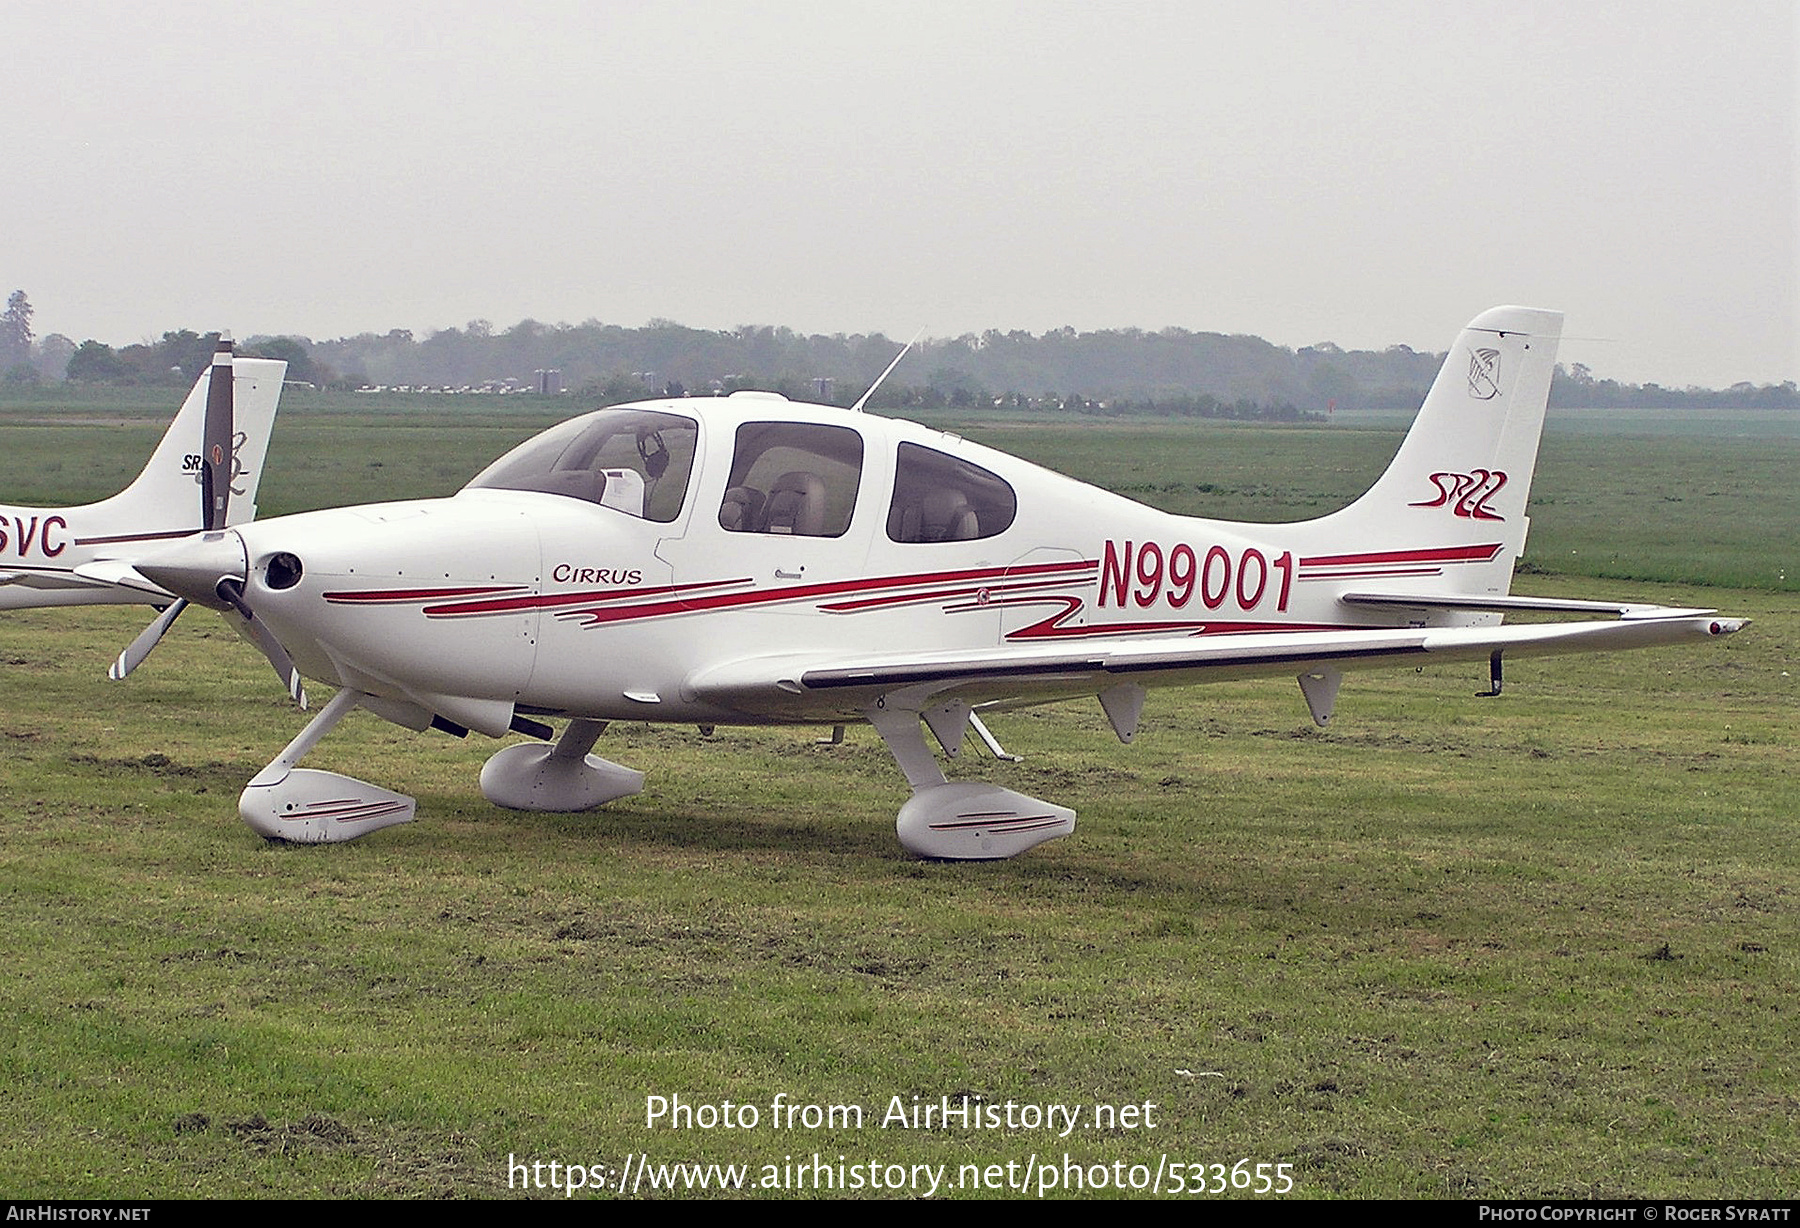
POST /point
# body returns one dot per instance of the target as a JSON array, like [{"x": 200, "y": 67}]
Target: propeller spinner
[{"x": 209, "y": 569}]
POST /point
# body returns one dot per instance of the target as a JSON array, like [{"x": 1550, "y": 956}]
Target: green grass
[{"x": 1537, "y": 946}]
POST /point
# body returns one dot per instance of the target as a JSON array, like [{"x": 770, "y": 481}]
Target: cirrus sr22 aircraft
[{"x": 748, "y": 560}]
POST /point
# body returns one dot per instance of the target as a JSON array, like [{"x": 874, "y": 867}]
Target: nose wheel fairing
[
  {"x": 312, "y": 807},
  {"x": 965, "y": 821},
  {"x": 305, "y": 806}
]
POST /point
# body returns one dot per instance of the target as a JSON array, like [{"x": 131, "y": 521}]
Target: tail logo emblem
[
  {"x": 1484, "y": 374},
  {"x": 238, "y": 440},
  {"x": 1467, "y": 494}
]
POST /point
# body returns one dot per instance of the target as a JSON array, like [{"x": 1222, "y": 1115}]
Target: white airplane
[
  {"x": 203, "y": 475},
  {"x": 747, "y": 560}
]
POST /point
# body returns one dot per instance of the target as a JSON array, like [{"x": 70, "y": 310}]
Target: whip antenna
[{"x": 864, "y": 398}]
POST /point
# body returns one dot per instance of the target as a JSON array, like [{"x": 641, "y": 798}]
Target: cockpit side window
[
  {"x": 636, "y": 461},
  {"x": 796, "y": 478},
  {"x": 940, "y": 498}
]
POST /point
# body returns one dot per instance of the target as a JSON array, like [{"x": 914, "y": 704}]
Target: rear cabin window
[
  {"x": 939, "y": 498},
  {"x": 793, "y": 478},
  {"x": 635, "y": 461}
]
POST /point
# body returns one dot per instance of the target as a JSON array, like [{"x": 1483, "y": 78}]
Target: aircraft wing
[
  {"x": 42, "y": 581},
  {"x": 823, "y": 686}
]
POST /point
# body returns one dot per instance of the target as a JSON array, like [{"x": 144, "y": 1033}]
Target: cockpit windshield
[{"x": 636, "y": 461}]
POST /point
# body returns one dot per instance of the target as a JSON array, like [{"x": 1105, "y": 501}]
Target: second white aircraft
[
  {"x": 753, "y": 561},
  {"x": 202, "y": 475}
]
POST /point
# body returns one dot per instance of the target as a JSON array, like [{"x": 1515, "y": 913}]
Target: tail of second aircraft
[
  {"x": 205, "y": 472},
  {"x": 1448, "y": 515}
]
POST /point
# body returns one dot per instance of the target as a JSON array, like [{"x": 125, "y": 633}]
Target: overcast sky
[{"x": 1370, "y": 174}]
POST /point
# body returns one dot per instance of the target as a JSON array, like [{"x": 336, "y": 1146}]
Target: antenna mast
[{"x": 864, "y": 398}]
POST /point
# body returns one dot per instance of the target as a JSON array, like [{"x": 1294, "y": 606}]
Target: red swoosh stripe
[
  {"x": 396, "y": 596},
  {"x": 1441, "y": 554}
]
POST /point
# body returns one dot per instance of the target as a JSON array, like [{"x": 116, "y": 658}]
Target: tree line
[{"x": 1173, "y": 372}]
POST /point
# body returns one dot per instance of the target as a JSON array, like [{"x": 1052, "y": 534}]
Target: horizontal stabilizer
[{"x": 123, "y": 574}]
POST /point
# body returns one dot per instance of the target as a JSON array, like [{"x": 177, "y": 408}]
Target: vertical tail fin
[{"x": 1459, "y": 484}]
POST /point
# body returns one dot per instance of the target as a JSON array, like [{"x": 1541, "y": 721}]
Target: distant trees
[
  {"x": 179, "y": 357},
  {"x": 16, "y": 338},
  {"x": 292, "y": 350},
  {"x": 1171, "y": 372},
  {"x": 53, "y": 354},
  {"x": 23, "y": 360},
  {"x": 1576, "y": 387},
  {"x": 94, "y": 362},
  {"x": 176, "y": 359},
  {"x": 971, "y": 372}
]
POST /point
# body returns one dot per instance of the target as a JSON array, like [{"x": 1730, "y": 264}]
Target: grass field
[{"x": 1543, "y": 945}]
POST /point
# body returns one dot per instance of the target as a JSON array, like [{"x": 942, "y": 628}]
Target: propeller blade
[
  {"x": 216, "y": 452},
  {"x": 257, "y": 632},
  {"x": 148, "y": 638}
]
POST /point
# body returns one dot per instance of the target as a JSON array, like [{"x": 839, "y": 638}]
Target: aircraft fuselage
[{"x": 565, "y": 606}]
